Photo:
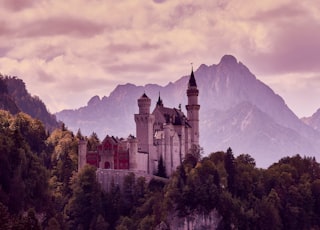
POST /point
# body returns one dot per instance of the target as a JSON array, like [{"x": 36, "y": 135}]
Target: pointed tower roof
[
  {"x": 159, "y": 102},
  {"x": 144, "y": 95},
  {"x": 192, "y": 80}
]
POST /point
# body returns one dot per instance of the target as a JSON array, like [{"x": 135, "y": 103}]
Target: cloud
[
  {"x": 298, "y": 90},
  {"x": 127, "y": 48},
  {"x": 44, "y": 77},
  {"x": 159, "y": 1},
  {"x": 285, "y": 12},
  {"x": 17, "y": 5},
  {"x": 61, "y": 26},
  {"x": 4, "y": 28},
  {"x": 78, "y": 47},
  {"x": 293, "y": 41}
]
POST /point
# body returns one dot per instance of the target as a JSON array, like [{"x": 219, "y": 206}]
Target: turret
[
  {"x": 193, "y": 109},
  {"x": 133, "y": 148},
  {"x": 144, "y": 126},
  {"x": 144, "y": 103}
]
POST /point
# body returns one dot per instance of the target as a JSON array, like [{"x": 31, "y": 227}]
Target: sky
[{"x": 68, "y": 51}]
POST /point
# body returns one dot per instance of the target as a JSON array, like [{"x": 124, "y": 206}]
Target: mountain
[
  {"x": 313, "y": 121},
  {"x": 15, "y": 98},
  {"x": 247, "y": 129},
  {"x": 237, "y": 110},
  {"x": 6, "y": 101}
]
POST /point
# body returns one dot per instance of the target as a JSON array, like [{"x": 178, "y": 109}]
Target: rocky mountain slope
[
  {"x": 237, "y": 111},
  {"x": 15, "y": 98},
  {"x": 313, "y": 121}
]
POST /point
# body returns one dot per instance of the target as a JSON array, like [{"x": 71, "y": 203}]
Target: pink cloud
[
  {"x": 159, "y": 1},
  {"x": 296, "y": 49},
  {"x": 4, "y": 28},
  {"x": 134, "y": 67},
  {"x": 17, "y": 5},
  {"x": 126, "y": 48},
  {"x": 73, "y": 40},
  {"x": 294, "y": 41},
  {"x": 61, "y": 26},
  {"x": 44, "y": 77},
  {"x": 281, "y": 12}
]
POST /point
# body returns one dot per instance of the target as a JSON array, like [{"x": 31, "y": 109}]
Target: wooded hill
[
  {"x": 40, "y": 187},
  {"x": 15, "y": 98}
]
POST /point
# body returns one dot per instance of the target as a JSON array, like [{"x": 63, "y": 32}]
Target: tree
[
  {"x": 30, "y": 222},
  {"x": 230, "y": 168},
  {"x": 3, "y": 86},
  {"x": 23, "y": 178},
  {"x": 161, "y": 168},
  {"x": 193, "y": 155},
  {"x": 84, "y": 206},
  {"x": 53, "y": 224},
  {"x": 93, "y": 142},
  {"x": 5, "y": 219},
  {"x": 126, "y": 223}
]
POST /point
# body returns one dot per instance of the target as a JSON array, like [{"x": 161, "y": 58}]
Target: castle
[{"x": 165, "y": 133}]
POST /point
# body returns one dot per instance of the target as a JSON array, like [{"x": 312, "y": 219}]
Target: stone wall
[
  {"x": 106, "y": 176},
  {"x": 195, "y": 221}
]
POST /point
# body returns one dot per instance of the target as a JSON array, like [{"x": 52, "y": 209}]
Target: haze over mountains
[{"x": 237, "y": 111}]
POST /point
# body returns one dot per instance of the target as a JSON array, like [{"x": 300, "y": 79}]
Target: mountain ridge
[
  {"x": 222, "y": 86},
  {"x": 15, "y": 98}
]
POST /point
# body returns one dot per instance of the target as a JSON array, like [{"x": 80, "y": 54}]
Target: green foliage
[
  {"x": 161, "y": 168},
  {"x": 26, "y": 103},
  {"x": 93, "y": 141},
  {"x": 39, "y": 178},
  {"x": 23, "y": 178},
  {"x": 53, "y": 224},
  {"x": 84, "y": 206},
  {"x": 3, "y": 86},
  {"x": 5, "y": 219},
  {"x": 284, "y": 196},
  {"x": 230, "y": 169},
  {"x": 64, "y": 160},
  {"x": 193, "y": 156},
  {"x": 30, "y": 222}
]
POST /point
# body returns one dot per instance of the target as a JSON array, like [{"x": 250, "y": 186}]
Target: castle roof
[
  {"x": 110, "y": 139},
  {"x": 159, "y": 102},
  {"x": 192, "y": 80},
  {"x": 144, "y": 95},
  {"x": 170, "y": 115}
]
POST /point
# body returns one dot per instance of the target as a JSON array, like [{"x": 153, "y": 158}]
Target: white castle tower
[
  {"x": 144, "y": 128},
  {"x": 193, "y": 109}
]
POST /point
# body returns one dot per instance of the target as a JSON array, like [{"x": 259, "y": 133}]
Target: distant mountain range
[
  {"x": 313, "y": 121},
  {"x": 15, "y": 98},
  {"x": 237, "y": 111}
]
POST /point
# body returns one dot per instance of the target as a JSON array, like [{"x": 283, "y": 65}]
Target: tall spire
[
  {"x": 159, "y": 102},
  {"x": 192, "y": 80},
  {"x": 193, "y": 109}
]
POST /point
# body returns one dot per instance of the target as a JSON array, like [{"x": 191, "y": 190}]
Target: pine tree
[
  {"x": 230, "y": 168},
  {"x": 161, "y": 168}
]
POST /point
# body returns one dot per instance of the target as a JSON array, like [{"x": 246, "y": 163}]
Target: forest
[{"x": 40, "y": 187}]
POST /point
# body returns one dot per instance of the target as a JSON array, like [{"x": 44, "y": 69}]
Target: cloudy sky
[{"x": 69, "y": 51}]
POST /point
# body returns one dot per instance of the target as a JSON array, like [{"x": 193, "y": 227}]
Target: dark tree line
[
  {"x": 40, "y": 187},
  {"x": 15, "y": 98}
]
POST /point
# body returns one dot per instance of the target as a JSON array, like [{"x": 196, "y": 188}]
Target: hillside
[
  {"x": 15, "y": 98},
  {"x": 6, "y": 101},
  {"x": 39, "y": 181},
  {"x": 230, "y": 95}
]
